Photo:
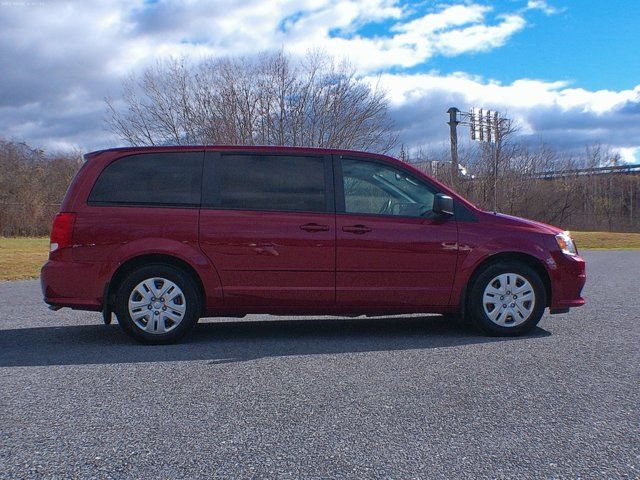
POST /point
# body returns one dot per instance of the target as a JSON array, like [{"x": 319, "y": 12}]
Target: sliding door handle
[
  {"x": 357, "y": 229},
  {"x": 314, "y": 227}
]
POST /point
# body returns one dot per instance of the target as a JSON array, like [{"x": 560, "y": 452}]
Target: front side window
[
  {"x": 379, "y": 189},
  {"x": 172, "y": 178},
  {"x": 271, "y": 182}
]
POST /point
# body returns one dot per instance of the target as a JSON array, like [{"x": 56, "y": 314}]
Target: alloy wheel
[
  {"x": 157, "y": 305},
  {"x": 509, "y": 299}
]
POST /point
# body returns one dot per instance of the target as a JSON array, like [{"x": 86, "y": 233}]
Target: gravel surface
[{"x": 398, "y": 397}]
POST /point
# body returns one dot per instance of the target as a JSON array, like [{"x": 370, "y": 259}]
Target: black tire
[
  {"x": 476, "y": 311},
  {"x": 182, "y": 280}
]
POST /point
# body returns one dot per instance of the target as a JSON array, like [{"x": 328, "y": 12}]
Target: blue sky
[
  {"x": 592, "y": 44},
  {"x": 566, "y": 71}
]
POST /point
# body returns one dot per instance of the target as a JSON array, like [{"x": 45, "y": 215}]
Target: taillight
[{"x": 62, "y": 231}]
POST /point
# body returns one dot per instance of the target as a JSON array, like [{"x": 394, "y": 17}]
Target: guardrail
[{"x": 617, "y": 169}]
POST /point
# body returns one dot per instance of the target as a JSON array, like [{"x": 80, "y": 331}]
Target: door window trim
[{"x": 338, "y": 185}]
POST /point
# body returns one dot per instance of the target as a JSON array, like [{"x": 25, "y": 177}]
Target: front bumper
[{"x": 568, "y": 277}]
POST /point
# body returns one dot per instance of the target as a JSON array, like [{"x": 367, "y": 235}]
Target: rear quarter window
[{"x": 166, "y": 179}]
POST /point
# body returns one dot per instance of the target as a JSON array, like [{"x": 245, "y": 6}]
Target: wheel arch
[
  {"x": 531, "y": 261},
  {"x": 145, "y": 259}
]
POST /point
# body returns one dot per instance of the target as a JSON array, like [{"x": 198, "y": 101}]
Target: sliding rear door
[{"x": 268, "y": 225}]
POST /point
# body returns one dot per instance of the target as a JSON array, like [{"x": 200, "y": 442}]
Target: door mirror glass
[{"x": 443, "y": 205}]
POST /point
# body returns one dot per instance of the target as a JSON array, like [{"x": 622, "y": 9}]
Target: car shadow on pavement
[{"x": 237, "y": 341}]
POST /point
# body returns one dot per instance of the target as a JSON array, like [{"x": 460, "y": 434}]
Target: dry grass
[
  {"x": 22, "y": 257},
  {"x": 607, "y": 240}
]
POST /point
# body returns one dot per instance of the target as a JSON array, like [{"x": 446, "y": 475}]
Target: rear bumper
[
  {"x": 72, "y": 284},
  {"x": 567, "y": 280}
]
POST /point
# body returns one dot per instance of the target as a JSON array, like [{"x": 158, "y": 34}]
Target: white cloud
[
  {"x": 543, "y": 6},
  {"x": 480, "y": 38},
  {"x": 629, "y": 155},
  {"x": 549, "y": 111},
  {"x": 451, "y": 31},
  {"x": 520, "y": 95},
  {"x": 62, "y": 58}
]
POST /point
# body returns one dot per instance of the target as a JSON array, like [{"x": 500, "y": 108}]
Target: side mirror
[{"x": 443, "y": 205}]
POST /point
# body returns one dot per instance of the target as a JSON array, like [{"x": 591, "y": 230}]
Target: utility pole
[
  {"x": 494, "y": 151},
  {"x": 453, "y": 131},
  {"x": 485, "y": 126},
  {"x": 496, "y": 156}
]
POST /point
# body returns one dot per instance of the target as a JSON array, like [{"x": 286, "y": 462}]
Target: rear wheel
[
  {"x": 507, "y": 299},
  {"x": 157, "y": 304}
]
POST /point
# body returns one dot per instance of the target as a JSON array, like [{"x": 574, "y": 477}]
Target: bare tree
[
  {"x": 268, "y": 99},
  {"x": 569, "y": 198},
  {"x": 31, "y": 192}
]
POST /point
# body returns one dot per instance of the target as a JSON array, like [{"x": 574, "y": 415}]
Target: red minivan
[{"x": 162, "y": 236}]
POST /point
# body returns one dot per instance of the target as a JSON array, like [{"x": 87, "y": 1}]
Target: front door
[
  {"x": 392, "y": 251},
  {"x": 268, "y": 225}
]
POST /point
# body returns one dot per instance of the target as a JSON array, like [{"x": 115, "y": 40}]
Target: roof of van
[{"x": 229, "y": 148}]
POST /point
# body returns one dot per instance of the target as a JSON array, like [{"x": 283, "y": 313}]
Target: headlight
[{"x": 565, "y": 242}]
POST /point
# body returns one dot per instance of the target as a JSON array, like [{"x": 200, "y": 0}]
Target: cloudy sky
[{"x": 567, "y": 71}]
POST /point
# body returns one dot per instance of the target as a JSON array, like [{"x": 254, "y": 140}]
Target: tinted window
[
  {"x": 155, "y": 178},
  {"x": 271, "y": 182},
  {"x": 376, "y": 188}
]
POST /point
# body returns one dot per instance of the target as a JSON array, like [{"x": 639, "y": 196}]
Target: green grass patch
[
  {"x": 22, "y": 257},
  {"x": 607, "y": 240}
]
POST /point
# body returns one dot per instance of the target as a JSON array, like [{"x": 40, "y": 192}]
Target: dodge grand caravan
[{"x": 163, "y": 236}]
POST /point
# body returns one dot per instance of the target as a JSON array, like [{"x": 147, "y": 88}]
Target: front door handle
[
  {"x": 357, "y": 229},
  {"x": 314, "y": 227}
]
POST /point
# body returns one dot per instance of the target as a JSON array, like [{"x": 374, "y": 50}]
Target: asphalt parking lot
[{"x": 398, "y": 397}]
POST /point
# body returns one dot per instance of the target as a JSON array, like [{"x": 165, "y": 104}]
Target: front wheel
[
  {"x": 157, "y": 304},
  {"x": 507, "y": 299}
]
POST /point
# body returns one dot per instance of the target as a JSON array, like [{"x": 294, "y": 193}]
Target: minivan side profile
[{"x": 162, "y": 236}]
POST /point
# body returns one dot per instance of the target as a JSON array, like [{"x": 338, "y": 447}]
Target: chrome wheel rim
[
  {"x": 509, "y": 300},
  {"x": 157, "y": 305}
]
